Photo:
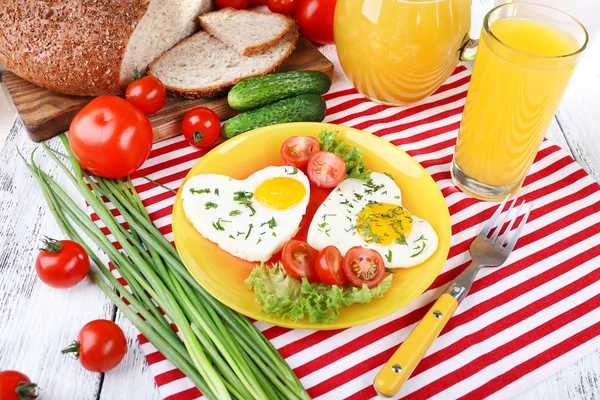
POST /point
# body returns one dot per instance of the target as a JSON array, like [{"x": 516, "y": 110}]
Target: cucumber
[
  {"x": 258, "y": 92},
  {"x": 308, "y": 107}
]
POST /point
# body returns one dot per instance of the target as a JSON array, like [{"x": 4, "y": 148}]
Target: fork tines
[{"x": 500, "y": 218}]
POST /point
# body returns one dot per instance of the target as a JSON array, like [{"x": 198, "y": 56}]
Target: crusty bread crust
[
  {"x": 253, "y": 49},
  {"x": 68, "y": 46},
  {"x": 213, "y": 91}
]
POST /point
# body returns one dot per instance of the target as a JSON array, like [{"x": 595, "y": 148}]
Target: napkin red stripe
[{"x": 341, "y": 363}]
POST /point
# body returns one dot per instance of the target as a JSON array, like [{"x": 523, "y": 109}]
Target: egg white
[
  {"x": 334, "y": 223},
  {"x": 261, "y": 241}
]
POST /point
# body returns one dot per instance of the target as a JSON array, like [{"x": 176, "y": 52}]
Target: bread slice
[
  {"x": 89, "y": 48},
  {"x": 245, "y": 31},
  {"x": 203, "y": 66}
]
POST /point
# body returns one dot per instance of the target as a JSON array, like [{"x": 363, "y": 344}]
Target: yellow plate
[{"x": 223, "y": 275}]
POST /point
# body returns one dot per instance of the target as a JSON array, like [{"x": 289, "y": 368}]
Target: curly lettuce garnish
[
  {"x": 281, "y": 294},
  {"x": 355, "y": 162}
]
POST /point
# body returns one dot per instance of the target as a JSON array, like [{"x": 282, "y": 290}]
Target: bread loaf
[{"x": 91, "y": 47}]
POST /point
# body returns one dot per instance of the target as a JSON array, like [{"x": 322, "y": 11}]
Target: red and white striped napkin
[{"x": 520, "y": 324}]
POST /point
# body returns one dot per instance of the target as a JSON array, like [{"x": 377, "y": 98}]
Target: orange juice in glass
[
  {"x": 398, "y": 52},
  {"x": 525, "y": 58}
]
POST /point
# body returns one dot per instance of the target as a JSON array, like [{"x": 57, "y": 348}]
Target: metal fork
[{"x": 489, "y": 249}]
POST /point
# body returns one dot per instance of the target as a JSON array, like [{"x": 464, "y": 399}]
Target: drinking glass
[
  {"x": 398, "y": 52},
  {"x": 526, "y": 55}
]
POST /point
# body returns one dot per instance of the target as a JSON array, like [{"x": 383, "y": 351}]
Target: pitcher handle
[{"x": 468, "y": 50}]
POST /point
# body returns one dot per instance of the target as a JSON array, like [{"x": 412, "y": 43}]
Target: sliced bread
[
  {"x": 245, "y": 31},
  {"x": 89, "y": 48},
  {"x": 203, "y": 66}
]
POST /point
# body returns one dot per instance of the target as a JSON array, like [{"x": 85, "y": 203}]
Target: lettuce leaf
[
  {"x": 281, "y": 294},
  {"x": 355, "y": 162}
]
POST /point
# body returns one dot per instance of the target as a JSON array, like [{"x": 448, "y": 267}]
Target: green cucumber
[
  {"x": 257, "y": 92},
  {"x": 308, "y": 107}
]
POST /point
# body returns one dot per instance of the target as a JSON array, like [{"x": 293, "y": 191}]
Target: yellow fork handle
[{"x": 404, "y": 361}]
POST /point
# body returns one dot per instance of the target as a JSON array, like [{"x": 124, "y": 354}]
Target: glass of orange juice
[
  {"x": 398, "y": 52},
  {"x": 526, "y": 55}
]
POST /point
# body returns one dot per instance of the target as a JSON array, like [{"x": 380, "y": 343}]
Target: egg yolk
[
  {"x": 384, "y": 223},
  {"x": 280, "y": 193}
]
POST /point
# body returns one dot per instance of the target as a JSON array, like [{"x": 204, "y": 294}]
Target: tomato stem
[
  {"x": 51, "y": 245},
  {"x": 72, "y": 348},
  {"x": 26, "y": 391},
  {"x": 198, "y": 136}
]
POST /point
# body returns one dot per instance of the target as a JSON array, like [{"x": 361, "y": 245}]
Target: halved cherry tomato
[
  {"x": 298, "y": 260},
  {"x": 326, "y": 169},
  {"x": 110, "y": 137},
  {"x": 62, "y": 264},
  {"x": 15, "y": 385},
  {"x": 100, "y": 345},
  {"x": 284, "y": 7},
  {"x": 328, "y": 266},
  {"x": 364, "y": 267},
  {"x": 148, "y": 94},
  {"x": 237, "y": 4},
  {"x": 315, "y": 19},
  {"x": 201, "y": 127},
  {"x": 298, "y": 149}
]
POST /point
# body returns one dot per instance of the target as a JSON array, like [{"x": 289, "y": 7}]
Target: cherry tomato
[
  {"x": 328, "y": 266},
  {"x": 254, "y": 3},
  {"x": 284, "y": 7},
  {"x": 325, "y": 169},
  {"x": 364, "y": 267},
  {"x": 62, "y": 264},
  {"x": 110, "y": 137},
  {"x": 237, "y": 4},
  {"x": 297, "y": 150},
  {"x": 148, "y": 94},
  {"x": 315, "y": 19},
  {"x": 100, "y": 345},
  {"x": 298, "y": 260},
  {"x": 201, "y": 127},
  {"x": 15, "y": 385}
]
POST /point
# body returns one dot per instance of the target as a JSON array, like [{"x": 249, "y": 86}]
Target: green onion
[{"x": 222, "y": 353}]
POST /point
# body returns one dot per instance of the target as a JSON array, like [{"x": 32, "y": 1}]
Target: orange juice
[
  {"x": 400, "y": 51},
  {"x": 519, "y": 78}
]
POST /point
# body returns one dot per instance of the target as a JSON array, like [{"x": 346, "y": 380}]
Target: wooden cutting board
[{"x": 45, "y": 113}]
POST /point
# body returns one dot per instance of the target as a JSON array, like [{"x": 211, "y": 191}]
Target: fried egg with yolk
[
  {"x": 371, "y": 215},
  {"x": 253, "y": 218}
]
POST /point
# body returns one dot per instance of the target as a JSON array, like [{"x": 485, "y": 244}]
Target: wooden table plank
[{"x": 37, "y": 321}]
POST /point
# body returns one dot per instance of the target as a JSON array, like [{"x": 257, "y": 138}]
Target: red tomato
[
  {"x": 364, "y": 267},
  {"x": 254, "y": 3},
  {"x": 15, "y": 385},
  {"x": 297, "y": 150},
  {"x": 326, "y": 169},
  {"x": 62, "y": 264},
  {"x": 328, "y": 266},
  {"x": 148, "y": 94},
  {"x": 237, "y": 4},
  {"x": 201, "y": 127},
  {"x": 110, "y": 137},
  {"x": 284, "y": 7},
  {"x": 315, "y": 19},
  {"x": 298, "y": 260},
  {"x": 100, "y": 345}
]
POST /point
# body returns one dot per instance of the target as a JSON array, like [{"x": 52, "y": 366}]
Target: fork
[{"x": 485, "y": 251}]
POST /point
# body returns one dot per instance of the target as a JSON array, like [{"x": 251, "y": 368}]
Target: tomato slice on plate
[
  {"x": 298, "y": 149},
  {"x": 328, "y": 266},
  {"x": 298, "y": 260},
  {"x": 326, "y": 169},
  {"x": 364, "y": 267}
]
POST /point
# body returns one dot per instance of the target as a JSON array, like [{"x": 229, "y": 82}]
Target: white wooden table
[{"x": 37, "y": 321}]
